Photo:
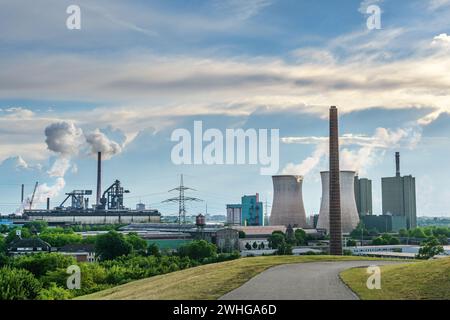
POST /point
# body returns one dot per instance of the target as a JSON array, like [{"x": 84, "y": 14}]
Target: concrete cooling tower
[
  {"x": 349, "y": 212},
  {"x": 287, "y": 206}
]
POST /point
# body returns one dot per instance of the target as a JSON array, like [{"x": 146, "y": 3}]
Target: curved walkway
[{"x": 303, "y": 281}]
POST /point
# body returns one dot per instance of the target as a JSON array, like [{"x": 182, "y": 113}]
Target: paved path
[{"x": 303, "y": 281}]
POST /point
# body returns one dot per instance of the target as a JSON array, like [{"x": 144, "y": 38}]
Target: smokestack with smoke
[{"x": 99, "y": 142}]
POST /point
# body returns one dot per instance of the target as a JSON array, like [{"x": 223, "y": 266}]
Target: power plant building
[
  {"x": 349, "y": 211},
  {"x": 252, "y": 211},
  {"x": 248, "y": 213},
  {"x": 363, "y": 196},
  {"x": 399, "y": 196},
  {"x": 287, "y": 206}
]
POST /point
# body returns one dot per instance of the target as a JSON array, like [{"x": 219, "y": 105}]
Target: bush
[
  {"x": 55, "y": 293},
  {"x": 153, "y": 250},
  {"x": 138, "y": 244},
  {"x": 41, "y": 263},
  {"x": 198, "y": 250},
  {"x": 18, "y": 284},
  {"x": 60, "y": 239}
]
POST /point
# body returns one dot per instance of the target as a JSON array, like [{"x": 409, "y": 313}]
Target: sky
[{"x": 138, "y": 70}]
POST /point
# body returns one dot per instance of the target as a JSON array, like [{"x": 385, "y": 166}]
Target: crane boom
[{"x": 34, "y": 193}]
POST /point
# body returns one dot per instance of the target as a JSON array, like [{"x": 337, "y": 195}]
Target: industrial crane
[{"x": 34, "y": 193}]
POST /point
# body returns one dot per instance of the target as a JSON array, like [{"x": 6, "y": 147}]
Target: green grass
[
  {"x": 427, "y": 280},
  {"x": 206, "y": 282}
]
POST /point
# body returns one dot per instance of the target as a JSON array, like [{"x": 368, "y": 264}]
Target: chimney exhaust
[
  {"x": 397, "y": 164},
  {"x": 99, "y": 177}
]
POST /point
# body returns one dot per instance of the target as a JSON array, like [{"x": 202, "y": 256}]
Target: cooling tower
[
  {"x": 349, "y": 212},
  {"x": 287, "y": 206}
]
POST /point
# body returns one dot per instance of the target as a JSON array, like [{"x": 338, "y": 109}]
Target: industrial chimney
[
  {"x": 335, "y": 227},
  {"x": 99, "y": 178},
  {"x": 287, "y": 207},
  {"x": 349, "y": 211},
  {"x": 48, "y": 204},
  {"x": 397, "y": 164},
  {"x": 22, "y": 193}
]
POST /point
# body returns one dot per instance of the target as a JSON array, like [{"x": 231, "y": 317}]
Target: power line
[{"x": 181, "y": 199}]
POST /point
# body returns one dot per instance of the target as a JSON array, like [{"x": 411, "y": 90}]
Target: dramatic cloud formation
[{"x": 358, "y": 153}]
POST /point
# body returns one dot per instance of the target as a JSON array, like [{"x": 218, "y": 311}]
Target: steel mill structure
[
  {"x": 287, "y": 207},
  {"x": 349, "y": 210},
  {"x": 335, "y": 228}
]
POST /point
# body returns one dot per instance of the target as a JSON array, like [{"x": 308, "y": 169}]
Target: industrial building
[
  {"x": 249, "y": 213},
  {"x": 234, "y": 214},
  {"x": 399, "y": 196},
  {"x": 349, "y": 212},
  {"x": 287, "y": 206},
  {"x": 109, "y": 207},
  {"x": 384, "y": 223},
  {"x": 363, "y": 196}
]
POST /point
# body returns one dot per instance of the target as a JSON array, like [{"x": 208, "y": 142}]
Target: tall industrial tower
[
  {"x": 181, "y": 199},
  {"x": 335, "y": 192}
]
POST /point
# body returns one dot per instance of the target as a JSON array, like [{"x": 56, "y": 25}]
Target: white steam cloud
[
  {"x": 99, "y": 142},
  {"x": 68, "y": 141},
  {"x": 371, "y": 149}
]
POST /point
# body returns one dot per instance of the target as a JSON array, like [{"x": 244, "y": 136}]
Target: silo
[
  {"x": 287, "y": 206},
  {"x": 349, "y": 211}
]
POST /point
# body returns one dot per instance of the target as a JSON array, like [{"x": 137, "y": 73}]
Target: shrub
[
  {"x": 18, "y": 284},
  {"x": 55, "y": 293}
]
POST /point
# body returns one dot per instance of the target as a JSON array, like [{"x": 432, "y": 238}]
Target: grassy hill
[
  {"x": 422, "y": 280},
  {"x": 205, "y": 282}
]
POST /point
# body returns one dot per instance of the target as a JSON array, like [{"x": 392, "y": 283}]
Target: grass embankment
[
  {"x": 206, "y": 282},
  {"x": 416, "y": 281}
]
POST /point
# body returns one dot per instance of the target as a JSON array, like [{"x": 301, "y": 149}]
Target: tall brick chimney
[{"x": 335, "y": 192}]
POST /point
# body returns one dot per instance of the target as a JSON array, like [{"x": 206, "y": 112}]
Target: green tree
[
  {"x": 60, "y": 239},
  {"x": 351, "y": 243},
  {"x": 112, "y": 245},
  {"x": 18, "y": 284},
  {"x": 4, "y": 228},
  {"x": 2, "y": 245},
  {"x": 300, "y": 237},
  {"x": 13, "y": 236},
  {"x": 262, "y": 246},
  {"x": 403, "y": 233},
  {"x": 431, "y": 248},
  {"x": 276, "y": 240},
  {"x": 242, "y": 234},
  {"x": 138, "y": 244},
  {"x": 379, "y": 241},
  {"x": 41, "y": 263},
  {"x": 255, "y": 245},
  {"x": 394, "y": 241},
  {"x": 248, "y": 246},
  {"x": 284, "y": 249},
  {"x": 39, "y": 226},
  {"x": 198, "y": 250},
  {"x": 418, "y": 233},
  {"x": 153, "y": 250}
]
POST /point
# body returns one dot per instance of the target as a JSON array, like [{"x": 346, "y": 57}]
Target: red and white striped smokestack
[{"x": 99, "y": 177}]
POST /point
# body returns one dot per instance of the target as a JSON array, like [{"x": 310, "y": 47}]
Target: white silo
[
  {"x": 349, "y": 211},
  {"x": 287, "y": 206}
]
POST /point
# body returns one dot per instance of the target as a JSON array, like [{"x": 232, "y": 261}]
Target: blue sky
[{"x": 137, "y": 70}]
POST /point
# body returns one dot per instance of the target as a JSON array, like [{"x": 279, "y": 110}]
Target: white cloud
[
  {"x": 358, "y": 152},
  {"x": 437, "y": 4}
]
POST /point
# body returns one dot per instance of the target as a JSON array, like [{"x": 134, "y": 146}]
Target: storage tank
[
  {"x": 349, "y": 211},
  {"x": 287, "y": 206}
]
